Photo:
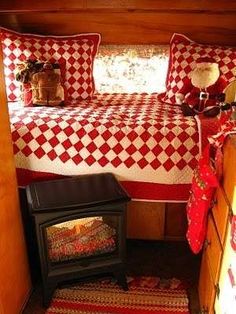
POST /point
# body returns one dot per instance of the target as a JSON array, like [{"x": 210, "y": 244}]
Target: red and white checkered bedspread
[{"x": 149, "y": 146}]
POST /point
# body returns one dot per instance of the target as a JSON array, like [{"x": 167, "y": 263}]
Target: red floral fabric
[
  {"x": 203, "y": 186},
  {"x": 205, "y": 180}
]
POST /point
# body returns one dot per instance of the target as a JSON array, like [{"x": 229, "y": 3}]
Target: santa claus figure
[{"x": 202, "y": 92}]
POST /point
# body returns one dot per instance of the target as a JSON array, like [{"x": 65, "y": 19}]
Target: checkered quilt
[{"x": 149, "y": 146}]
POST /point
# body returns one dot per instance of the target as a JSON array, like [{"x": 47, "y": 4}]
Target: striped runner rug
[{"x": 146, "y": 295}]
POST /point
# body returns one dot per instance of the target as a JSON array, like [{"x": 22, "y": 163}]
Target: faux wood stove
[{"x": 80, "y": 225}]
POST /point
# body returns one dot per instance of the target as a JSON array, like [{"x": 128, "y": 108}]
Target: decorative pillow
[
  {"x": 183, "y": 55},
  {"x": 75, "y": 53}
]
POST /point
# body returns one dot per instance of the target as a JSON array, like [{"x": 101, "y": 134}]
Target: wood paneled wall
[
  {"x": 14, "y": 272},
  {"x": 126, "y": 21}
]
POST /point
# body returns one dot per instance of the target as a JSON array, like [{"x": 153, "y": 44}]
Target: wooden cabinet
[
  {"x": 145, "y": 220},
  {"x": 206, "y": 287},
  {"x": 210, "y": 265},
  {"x": 220, "y": 214},
  {"x": 156, "y": 221},
  {"x": 218, "y": 221},
  {"x": 14, "y": 272},
  {"x": 225, "y": 301},
  {"x": 213, "y": 250}
]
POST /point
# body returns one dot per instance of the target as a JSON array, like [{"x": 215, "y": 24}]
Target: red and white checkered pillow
[
  {"x": 183, "y": 55},
  {"x": 74, "y": 53}
]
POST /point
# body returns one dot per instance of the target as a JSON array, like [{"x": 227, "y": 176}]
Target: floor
[{"x": 154, "y": 258}]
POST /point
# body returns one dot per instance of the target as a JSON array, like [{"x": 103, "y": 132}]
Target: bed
[
  {"x": 147, "y": 144},
  {"x": 151, "y": 148}
]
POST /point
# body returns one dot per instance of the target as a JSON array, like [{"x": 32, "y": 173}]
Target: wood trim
[
  {"x": 129, "y": 28},
  {"x": 162, "y": 5},
  {"x": 201, "y": 6},
  {"x": 15, "y": 6}
]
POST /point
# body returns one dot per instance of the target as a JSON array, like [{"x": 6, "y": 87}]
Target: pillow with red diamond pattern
[
  {"x": 183, "y": 55},
  {"x": 75, "y": 53}
]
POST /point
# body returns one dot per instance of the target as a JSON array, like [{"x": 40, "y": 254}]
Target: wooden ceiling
[{"x": 125, "y": 21}]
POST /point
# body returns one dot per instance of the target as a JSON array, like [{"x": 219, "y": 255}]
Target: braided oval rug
[{"x": 146, "y": 295}]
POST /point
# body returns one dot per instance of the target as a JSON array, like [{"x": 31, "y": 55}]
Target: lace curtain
[{"x": 130, "y": 69}]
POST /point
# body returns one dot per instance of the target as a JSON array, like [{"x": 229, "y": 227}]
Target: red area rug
[{"x": 146, "y": 295}]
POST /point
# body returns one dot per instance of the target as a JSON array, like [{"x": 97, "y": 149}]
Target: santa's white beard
[{"x": 203, "y": 77}]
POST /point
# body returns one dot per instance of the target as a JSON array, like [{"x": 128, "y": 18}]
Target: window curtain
[{"x": 131, "y": 69}]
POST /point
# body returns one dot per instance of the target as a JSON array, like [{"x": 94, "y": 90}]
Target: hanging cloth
[
  {"x": 203, "y": 186},
  {"x": 205, "y": 180}
]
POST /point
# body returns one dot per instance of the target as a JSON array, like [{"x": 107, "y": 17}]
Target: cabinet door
[
  {"x": 220, "y": 212},
  {"x": 226, "y": 298},
  {"x": 145, "y": 220},
  {"x": 206, "y": 288},
  {"x": 175, "y": 221},
  {"x": 213, "y": 250},
  {"x": 229, "y": 173}
]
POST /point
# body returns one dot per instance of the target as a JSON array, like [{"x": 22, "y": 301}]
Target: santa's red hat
[{"x": 206, "y": 59}]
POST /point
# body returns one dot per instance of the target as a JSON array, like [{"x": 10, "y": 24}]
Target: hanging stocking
[{"x": 203, "y": 186}]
